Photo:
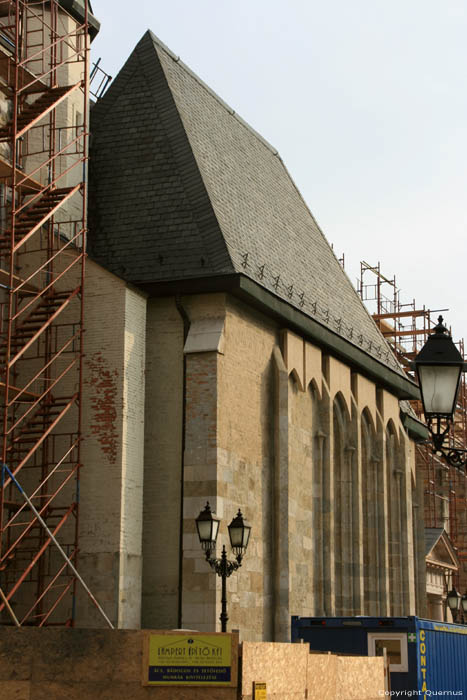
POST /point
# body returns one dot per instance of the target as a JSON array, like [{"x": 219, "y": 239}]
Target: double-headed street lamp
[
  {"x": 439, "y": 366},
  {"x": 207, "y": 524}
]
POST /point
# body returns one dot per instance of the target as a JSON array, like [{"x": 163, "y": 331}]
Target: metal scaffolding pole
[{"x": 44, "y": 91}]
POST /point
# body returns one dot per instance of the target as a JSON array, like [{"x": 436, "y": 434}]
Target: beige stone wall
[
  {"x": 229, "y": 437},
  {"x": 132, "y": 436},
  {"x": 302, "y": 542},
  {"x": 170, "y": 435},
  {"x": 228, "y": 460},
  {"x": 303, "y": 362},
  {"x": 113, "y": 450},
  {"x": 360, "y": 520},
  {"x": 260, "y": 434},
  {"x": 200, "y": 599},
  {"x": 231, "y": 458},
  {"x": 245, "y": 461},
  {"x": 163, "y": 420}
]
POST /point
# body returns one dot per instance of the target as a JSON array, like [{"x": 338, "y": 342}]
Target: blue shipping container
[{"x": 426, "y": 656}]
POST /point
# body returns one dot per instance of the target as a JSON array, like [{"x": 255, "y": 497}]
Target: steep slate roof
[{"x": 182, "y": 188}]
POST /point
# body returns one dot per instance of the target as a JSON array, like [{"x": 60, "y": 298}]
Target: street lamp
[
  {"x": 439, "y": 366},
  {"x": 454, "y": 598},
  {"x": 464, "y": 607},
  {"x": 207, "y": 524}
]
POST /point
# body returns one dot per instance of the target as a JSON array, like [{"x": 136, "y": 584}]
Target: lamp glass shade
[
  {"x": 207, "y": 524},
  {"x": 453, "y": 599},
  {"x": 464, "y": 602},
  {"x": 439, "y": 385},
  {"x": 239, "y": 533},
  {"x": 439, "y": 365}
]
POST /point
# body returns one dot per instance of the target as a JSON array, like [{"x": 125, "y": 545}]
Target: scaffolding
[
  {"x": 406, "y": 327},
  {"x": 43, "y": 147}
]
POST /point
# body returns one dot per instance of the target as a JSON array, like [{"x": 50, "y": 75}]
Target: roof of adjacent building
[
  {"x": 432, "y": 535},
  {"x": 446, "y": 554},
  {"x": 182, "y": 189}
]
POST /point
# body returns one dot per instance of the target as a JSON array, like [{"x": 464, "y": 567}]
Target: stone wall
[
  {"x": 113, "y": 450},
  {"x": 345, "y": 444},
  {"x": 313, "y": 453},
  {"x": 162, "y": 464},
  {"x": 53, "y": 664},
  {"x": 228, "y": 446},
  {"x": 245, "y": 450}
]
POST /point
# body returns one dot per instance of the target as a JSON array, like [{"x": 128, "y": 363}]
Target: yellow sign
[
  {"x": 198, "y": 659},
  {"x": 259, "y": 691}
]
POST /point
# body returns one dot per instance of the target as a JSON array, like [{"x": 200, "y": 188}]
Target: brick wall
[{"x": 112, "y": 451}]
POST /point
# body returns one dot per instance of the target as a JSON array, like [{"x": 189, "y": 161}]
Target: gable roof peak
[
  {"x": 159, "y": 44},
  {"x": 221, "y": 203}
]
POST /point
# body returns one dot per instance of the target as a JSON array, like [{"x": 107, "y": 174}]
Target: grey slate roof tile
[{"x": 176, "y": 172}]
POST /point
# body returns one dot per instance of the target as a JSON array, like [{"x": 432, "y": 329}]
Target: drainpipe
[{"x": 186, "y": 329}]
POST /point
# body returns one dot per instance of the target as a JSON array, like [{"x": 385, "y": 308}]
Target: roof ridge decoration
[{"x": 229, "y": 185}]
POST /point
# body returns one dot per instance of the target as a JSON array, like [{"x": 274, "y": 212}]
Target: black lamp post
[
  {"x": 439, "y": 366},
  {"x": 207, "y": 524},
  {"x": 454, "y": 599}
]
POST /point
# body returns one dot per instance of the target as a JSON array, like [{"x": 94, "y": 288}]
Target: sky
[{"x": 365, "y": 101}]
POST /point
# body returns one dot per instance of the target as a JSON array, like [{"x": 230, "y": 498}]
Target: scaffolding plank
[
  {"x": 26, "y": 182},
  {"x": 414, "y": 331},
  {"x": 27, "y": 80},
  {"x": 5, "y": 281}
]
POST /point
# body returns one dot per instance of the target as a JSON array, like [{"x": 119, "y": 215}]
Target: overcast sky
[{"x": 366, "y": 101}]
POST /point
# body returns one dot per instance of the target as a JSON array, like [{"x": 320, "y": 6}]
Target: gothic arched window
[{"x": 345, "y": 510}]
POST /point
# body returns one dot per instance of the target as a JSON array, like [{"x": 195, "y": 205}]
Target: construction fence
[{"x": 54, "y": 664}]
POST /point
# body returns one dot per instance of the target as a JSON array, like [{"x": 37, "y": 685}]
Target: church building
[{"x": 229, "y": 359}]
